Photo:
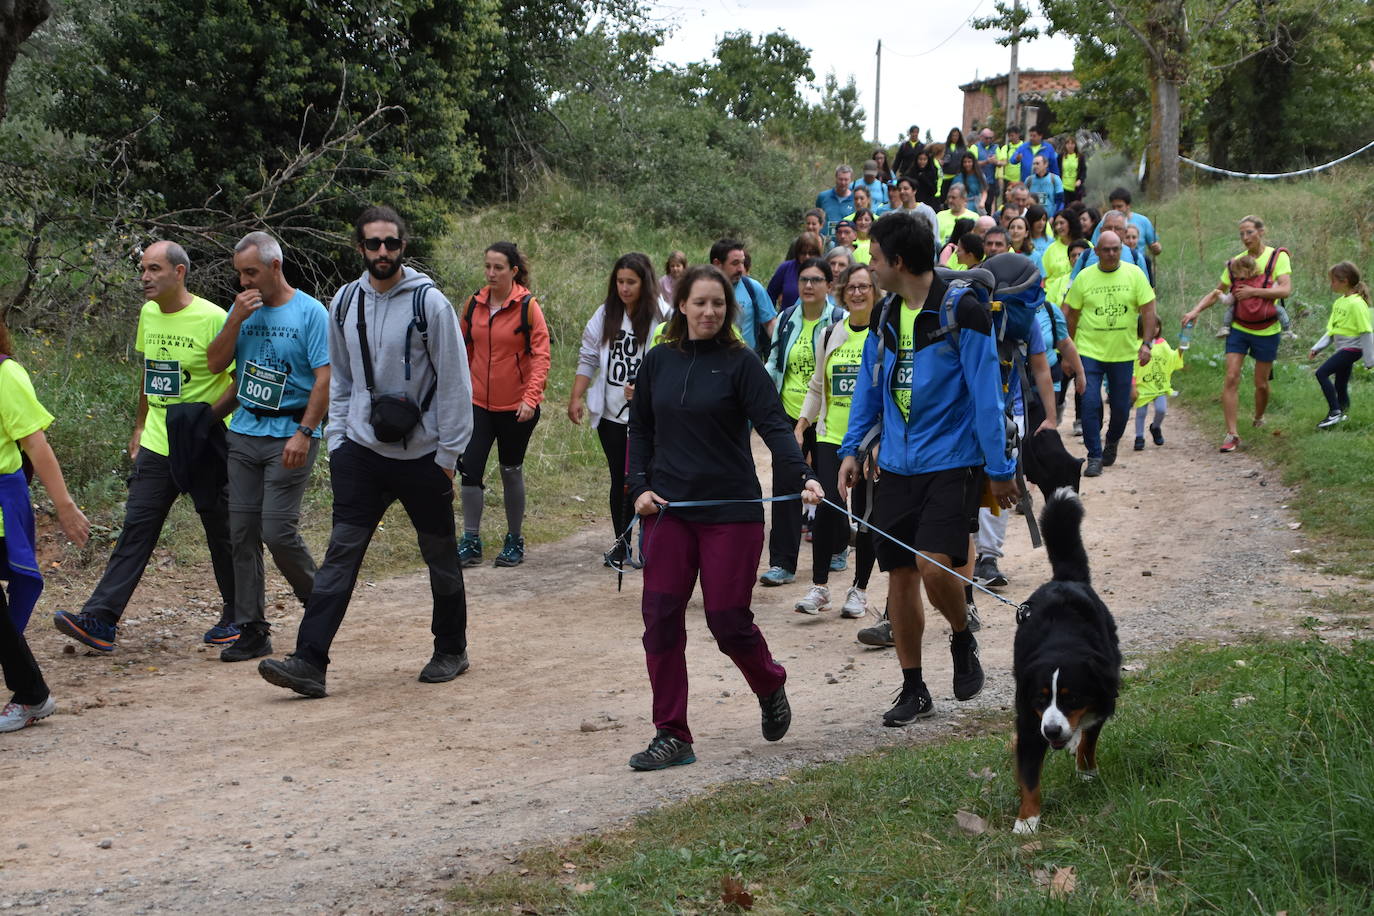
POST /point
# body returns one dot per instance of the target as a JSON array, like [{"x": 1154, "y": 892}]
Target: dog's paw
[
  {"x": 1072, "y": 746},
  {"x": 1027, "y": 825},
  {"x": 1087, "y": 775}
]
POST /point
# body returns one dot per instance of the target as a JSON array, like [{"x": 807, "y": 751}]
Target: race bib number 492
[{"x": 162, "y": 378}]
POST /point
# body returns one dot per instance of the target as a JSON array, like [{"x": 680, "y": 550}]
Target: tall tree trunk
[
  {"x": 1162, "y": 156},
  {"x": 18, "y": 19}
]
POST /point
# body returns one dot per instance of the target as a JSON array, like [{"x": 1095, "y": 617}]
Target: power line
[{"x": 948, "y": 38}]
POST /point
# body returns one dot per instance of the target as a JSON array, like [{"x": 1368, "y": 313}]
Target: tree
[
  {"x": 18, "y": 20},
  {"x": 757, "y": 82}
]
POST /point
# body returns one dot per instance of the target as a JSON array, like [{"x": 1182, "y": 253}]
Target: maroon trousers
[{"x": 727, "y": 557}]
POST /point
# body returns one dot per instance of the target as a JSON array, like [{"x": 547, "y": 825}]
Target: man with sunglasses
[
  {"x": 400, "y": 416},
  {"x": 277, "y": 337}
]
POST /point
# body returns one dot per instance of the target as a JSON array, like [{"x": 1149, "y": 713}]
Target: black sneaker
[
  {"x": 1109, "y": 452},
  {"x": 968, "y": 672},
  {"x": 444, "y": 667},
  {"x": 985, "y": 572},
  {"x": 1332, "y": 419},
  {"x": 879, "y": 636},
  {"x": 664, "y": 751},
  {"x": 294, "y": 674},
  {"x": 512, "y": 552},
  {"x": 1139, "y": 444},
  {"x": 253, "y": 642},
  {"x": 1157, "y": 434},
  {"x": 777, "y": 714},
  {"x": 912, "y": 703},
  {"x": 1094, "y": 468},
  {"x": 470, "y": 550}
]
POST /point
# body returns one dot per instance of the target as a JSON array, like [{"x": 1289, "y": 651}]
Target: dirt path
[{"x": 216, "y": 791}]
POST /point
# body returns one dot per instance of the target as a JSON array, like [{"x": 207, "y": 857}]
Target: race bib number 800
[
  {"x": 162, "y": 378},
  {"x": 262, "y": 387}
]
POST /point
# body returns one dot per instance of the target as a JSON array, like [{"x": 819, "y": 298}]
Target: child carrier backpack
[{"x": 1254, "y": 312}]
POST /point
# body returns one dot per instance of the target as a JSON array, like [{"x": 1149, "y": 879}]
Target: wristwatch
[{"x": 309, "y": 433}]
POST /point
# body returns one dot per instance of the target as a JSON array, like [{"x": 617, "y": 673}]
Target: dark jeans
[
  {"x": 1337, "y": 367},
  {"x": 22, "y": 675},
  {"x": 1118, "y": 376},
  {"x": 613, "y": 438},
  {"x": 151, "y": 494},
  {"x": 365, "y": 485},
  {"x": 726, "y": 556},
  {"x": 784, "y": 540}
]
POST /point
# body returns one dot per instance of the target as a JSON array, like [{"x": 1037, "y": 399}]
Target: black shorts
[{"x": 932, "y": 512}]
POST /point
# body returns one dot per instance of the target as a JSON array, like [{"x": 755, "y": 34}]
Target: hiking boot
[
  {"x": 968, "y": 672},
  {"x": 1229, "y": 444},
  {"x": 20, "y": 715},
  {"x": 1332, "y": 419},
  {"x": 776, "y": 575},
  {"x": 975, "y": 623},
  {"x": 294, "y": 674},
  {"x": 777, "y": 714},
  {"x": 664, "y": 751},
  {"x": 222, "y": 634},
  {"x": 1157, "y": 434},
  {"x": 816, "y": 599},
  {"x": 86, "y": 629},
  {"x": 1139, "y": 444},
  {"x": 253, "y": 642},
  {"x": 840, "y": 561},
  {"x": 470, "y": 550},
  {"x": 913, "y": 702},
  {"x": 855, "y": 603},
  {"x": 1109, "y": 452},
  {"x": 1078, "y": 427},
  {"x": 444, "y": 666},
  {"x": 512, "y": 552},
  {"x": 1093, "y": 468},
  {"x": 986, "y": 573},
  {"x": 879, "y": 635}
]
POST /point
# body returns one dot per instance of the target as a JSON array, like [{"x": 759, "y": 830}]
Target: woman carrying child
[{"x": 1350, "y": 331}]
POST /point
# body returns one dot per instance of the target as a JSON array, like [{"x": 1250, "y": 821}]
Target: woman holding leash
[{"x": 696, "y": 398}]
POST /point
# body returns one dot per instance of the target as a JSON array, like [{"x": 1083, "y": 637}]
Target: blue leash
[{"x": 702, "y": 503}]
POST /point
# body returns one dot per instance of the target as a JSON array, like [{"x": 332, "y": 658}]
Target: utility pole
[
  {"x": 878, "y": 95},
  {"x": 1014, "y": 74}
]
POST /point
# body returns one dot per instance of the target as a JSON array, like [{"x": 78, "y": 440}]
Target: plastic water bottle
[{"x": 1185, "y": 335}]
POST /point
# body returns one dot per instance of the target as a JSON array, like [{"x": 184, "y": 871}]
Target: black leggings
[
  {"x": 830, "y": 534},
  {"x": 1337, "y": 365},
  {"x": 511, "y": 437},
  {"x": 613, "y": 438},
  {"x": 22, "y": 675}
]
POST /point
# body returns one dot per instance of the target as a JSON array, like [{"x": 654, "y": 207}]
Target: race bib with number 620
[
  {"x": 162, "y": 378},
  {"x": 261, "y": 387},
  {"x": 843, "y": 381}
]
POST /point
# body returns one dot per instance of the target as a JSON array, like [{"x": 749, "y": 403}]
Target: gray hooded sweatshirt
[{"x": 446, "y": 427}]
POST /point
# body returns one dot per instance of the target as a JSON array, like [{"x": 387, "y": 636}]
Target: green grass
[
  {"x": 1313, "y": 219},
  {"x": 1232, "y": 780}
]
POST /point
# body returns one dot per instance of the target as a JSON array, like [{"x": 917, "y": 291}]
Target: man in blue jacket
[
  {"x": 937, "y": 393},
  {"x": 1035, "y": 145},
  {"x": 837, "y": 202}
]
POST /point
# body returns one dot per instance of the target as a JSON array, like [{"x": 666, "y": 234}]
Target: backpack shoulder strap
[
  {"x": 345, "y": 301},
  {"x": 525, "y": 327},
  {"x": 1269, "y": 268},
  {"x": 467, "y": 315},
  {"x": 417, "y": 310}
]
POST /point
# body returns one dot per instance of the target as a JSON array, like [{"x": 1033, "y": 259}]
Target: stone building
[{"x": 1038, "y": 90}]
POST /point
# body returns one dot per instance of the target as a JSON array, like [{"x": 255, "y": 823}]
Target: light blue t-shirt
[
  {"x": 755, "y": 310},
  {"x": 1147, "y": 236},
  {"x": 278, "y": 350},
  {"x": 877, "y": 191},
  {"x": 1053, "y": 329},
  {"x": 836, "y": 208}
]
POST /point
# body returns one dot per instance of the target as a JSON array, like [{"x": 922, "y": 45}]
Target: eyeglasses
[
  {"x": 861, "y": 289},
  {"x": 810, "y": 281},
  {"x": 392, "y": 244}
]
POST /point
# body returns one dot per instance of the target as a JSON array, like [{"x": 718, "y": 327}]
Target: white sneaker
[
  {"x": 855, "y": 603},
  {"x": 16, "y": 715},
  {"x": 817, "y": 599}
]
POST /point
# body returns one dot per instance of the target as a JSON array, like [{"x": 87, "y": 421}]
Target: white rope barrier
[{"x": 1312, "y": 171}]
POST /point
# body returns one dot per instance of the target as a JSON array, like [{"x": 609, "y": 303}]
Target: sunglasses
[{"x": 392, "y": 244}]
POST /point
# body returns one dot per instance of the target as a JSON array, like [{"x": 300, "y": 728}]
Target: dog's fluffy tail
[{"x": 1062, "y": 525}]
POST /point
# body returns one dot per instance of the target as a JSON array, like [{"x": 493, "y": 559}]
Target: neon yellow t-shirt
[
  {"x": 906, "y": 346},
  {"x": 20, "y": 415},
  {"x": 1282, "y": 266},
  {"x": 174, "y": 363},
  {"x": 1156, "y": 378},
  {"x": 1012, "y": 170},
  {"x": 945, "y": 219},
  {"x": 841, "y": 378},
  {"x": 863, "y": 251},
  {"x": 1108, "y": 305},
  {"x": 1349, "y": 316},
  {"x": 1055, "y": 266},
  {"x": 801, "y": 364},
  {"x": 1068, "y": 163}
]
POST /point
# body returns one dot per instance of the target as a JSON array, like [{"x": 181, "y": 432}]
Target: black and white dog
[{"x": 1066, "y": 660}]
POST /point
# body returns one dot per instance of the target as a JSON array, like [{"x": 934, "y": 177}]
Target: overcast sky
[{"x": 928, "y": 49}]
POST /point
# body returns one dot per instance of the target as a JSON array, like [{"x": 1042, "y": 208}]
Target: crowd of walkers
[{"x": 877, "y": 386}]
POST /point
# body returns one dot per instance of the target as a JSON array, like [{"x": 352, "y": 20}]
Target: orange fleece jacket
[{"x": 503, "y": 374}]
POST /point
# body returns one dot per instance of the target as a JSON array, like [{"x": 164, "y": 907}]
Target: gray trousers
[{"x": 265, "y": 508}]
